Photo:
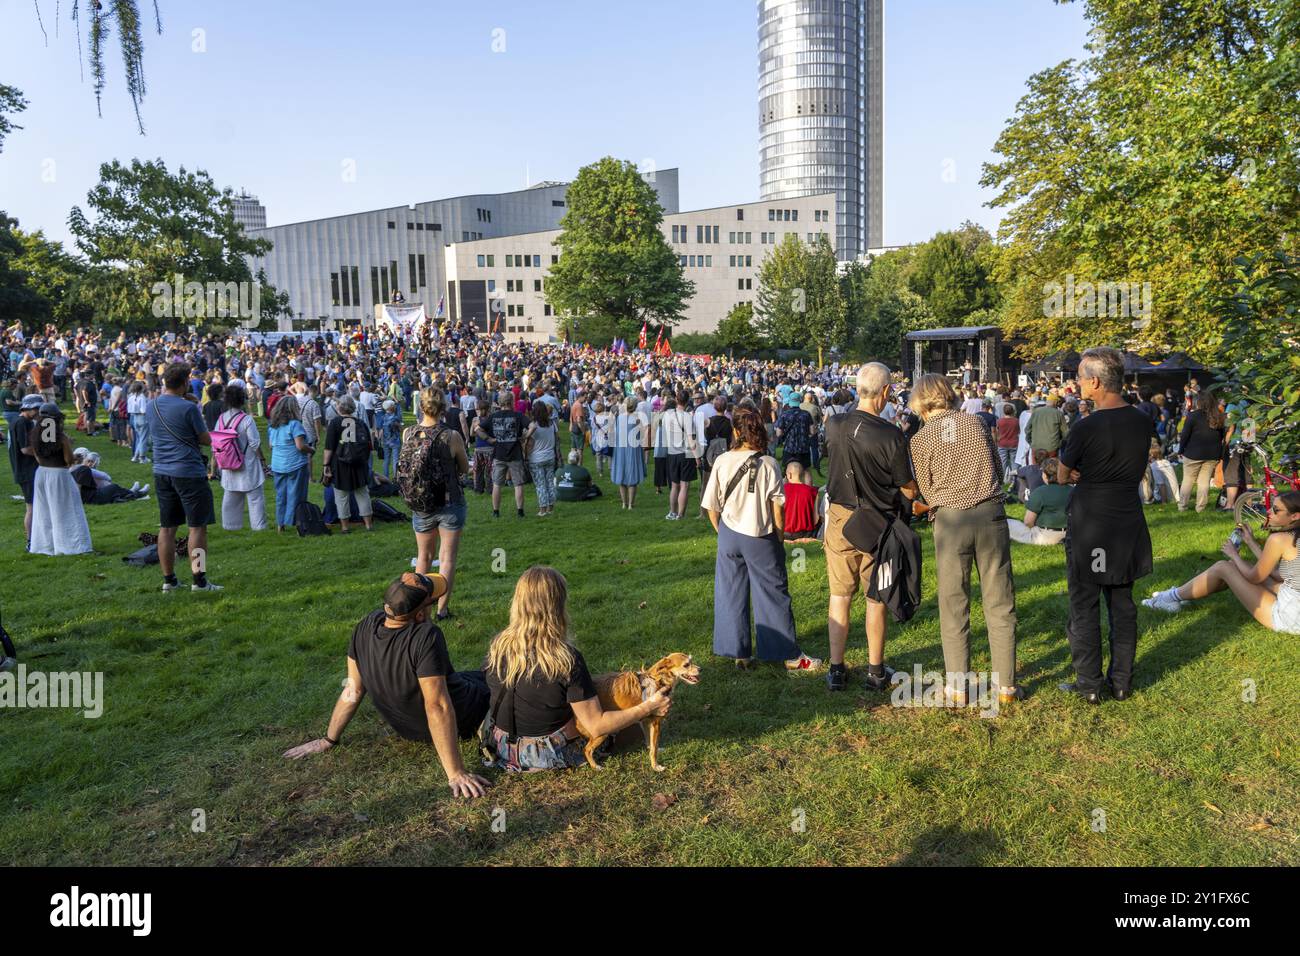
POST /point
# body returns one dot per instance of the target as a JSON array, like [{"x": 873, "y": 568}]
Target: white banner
[{"x": 403, "y": 318}]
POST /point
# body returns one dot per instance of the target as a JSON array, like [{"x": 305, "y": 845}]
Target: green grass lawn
[{"x": 204, "y": 692}]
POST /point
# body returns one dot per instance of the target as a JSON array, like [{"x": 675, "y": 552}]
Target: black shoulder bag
[{"x": 750, "y": 468}]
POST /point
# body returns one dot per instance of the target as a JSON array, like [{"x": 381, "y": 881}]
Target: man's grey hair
[
  {"x": 346, "y": 405},
  {"x": 574, "y": 457},
  {"x": 1106, "y": 364},
  {"x": 506, "y": 399},
  {"x": 873, "y": 379}
]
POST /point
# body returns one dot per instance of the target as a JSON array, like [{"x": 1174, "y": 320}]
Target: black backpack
[
  {"x": 309, "y": 521},
  {"x": 383, "y": 511},
  {"x": 424, "y": 470},
  {"x": 358, "y": 451}
]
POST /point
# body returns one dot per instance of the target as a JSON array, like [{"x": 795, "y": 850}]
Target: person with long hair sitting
[
  {"x": 1269, "y": 589},
  {"x": 541, "y": 687}
]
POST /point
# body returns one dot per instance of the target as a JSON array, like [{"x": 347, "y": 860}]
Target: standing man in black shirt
[
  {"x": 1108, "y": 546},
  {"x": 869, "y": 467},
  {"x": 504, "y": 431},
  {"x": 400, "y": 657}
]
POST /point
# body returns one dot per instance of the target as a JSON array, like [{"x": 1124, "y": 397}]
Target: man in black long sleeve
[{"x": 1108, "y": 546}]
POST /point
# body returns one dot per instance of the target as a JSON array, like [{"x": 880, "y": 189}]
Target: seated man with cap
[{"x": 399, "y": 656}]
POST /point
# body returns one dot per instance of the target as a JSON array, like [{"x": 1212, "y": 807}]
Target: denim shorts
[{"x": 450, "y": 518}]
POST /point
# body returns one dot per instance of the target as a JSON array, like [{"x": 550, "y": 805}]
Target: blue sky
[{"x": 414, "y": 93}]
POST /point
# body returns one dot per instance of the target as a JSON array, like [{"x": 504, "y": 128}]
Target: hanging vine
[{"x": 101, "y": 14}]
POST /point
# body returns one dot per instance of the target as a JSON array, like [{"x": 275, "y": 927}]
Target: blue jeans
[
  {"x": 140, "y": 428},
  {"x": 290, "y": 489},
  {"x": 391, "y": 451}
]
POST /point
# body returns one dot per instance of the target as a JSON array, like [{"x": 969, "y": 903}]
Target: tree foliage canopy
[
  {"x": 149, "y": 225},
  {"x": 1162, "y": 157},
  {"x": 614, "y": 261}
]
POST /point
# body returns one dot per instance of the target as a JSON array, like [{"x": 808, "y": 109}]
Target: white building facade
[{"x": 500, "y": 283}]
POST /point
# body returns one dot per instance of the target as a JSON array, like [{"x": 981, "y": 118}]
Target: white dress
[{"x": 58, "y": 518}]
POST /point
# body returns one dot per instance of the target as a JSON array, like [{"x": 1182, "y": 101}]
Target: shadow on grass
[{"x": 952, "y": 845}]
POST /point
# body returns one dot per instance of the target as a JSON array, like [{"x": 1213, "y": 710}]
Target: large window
[
  {"x": 424, "y": 283},
  {"x": 334, "y": 288},
  {"x": 356, "y": 287}
]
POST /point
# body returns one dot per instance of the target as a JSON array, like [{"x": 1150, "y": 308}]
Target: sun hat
[{"x": 33, "y": 400}]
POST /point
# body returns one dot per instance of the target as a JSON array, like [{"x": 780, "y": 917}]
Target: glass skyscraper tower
[{"x": 820, "y": 93}]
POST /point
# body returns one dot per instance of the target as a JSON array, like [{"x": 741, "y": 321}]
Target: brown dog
[{"x": 627, "y": 689}]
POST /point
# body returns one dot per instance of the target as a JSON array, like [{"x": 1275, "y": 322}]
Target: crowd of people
[{"x": 488, "y": 417}]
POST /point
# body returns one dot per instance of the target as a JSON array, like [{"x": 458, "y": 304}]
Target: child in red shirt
[{"x": 801, "y": 519}]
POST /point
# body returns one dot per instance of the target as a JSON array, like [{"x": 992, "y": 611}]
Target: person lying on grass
[
  {"x": 1269, "y": 589},
  {"x": 400, "y": 657}
]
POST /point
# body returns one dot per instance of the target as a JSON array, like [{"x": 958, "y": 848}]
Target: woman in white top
[
  {"x": 1269, "y": 589},
  {"x": 244, "y": 484},
  {"x": 745, "y": 501},
  {"x": 683, "y": 454}
]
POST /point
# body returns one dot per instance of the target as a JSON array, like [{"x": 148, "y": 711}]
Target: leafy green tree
[
  {"x": 55, "y": 275},
  {"x": 614, "y": 260},
  {"x": 150, "y": 226},
  {"x": 948, "y": 274},
  {"x": 881, "y": 306},
  {"x": 1158, "y": 160},
  {"x": 824, "y": 320},
  {"x": 18, "y": 299},
  {"x": 11, "y": 103},
  {"x": 799, "y": 301},
  {"x": 1260, "y": 315},
  {"x": 737, "y": 331}
]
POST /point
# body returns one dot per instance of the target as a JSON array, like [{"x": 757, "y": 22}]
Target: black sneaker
[
  {"x": 872, "y": 682},
  {"x": 496, "y": 514},
  {"x": 837, "y": 678},
  {"x": 520, "y": 512}
]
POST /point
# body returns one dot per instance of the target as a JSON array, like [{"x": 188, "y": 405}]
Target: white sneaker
[
  {"x": 207, "y": 587},
  {"x": 135, "y": 486},
  {"x": 143, "y": 489},
  {"x": 1162, "y": 601},
  {"x": 670, "y": 517},
  {"x": 169, "y": 588}
]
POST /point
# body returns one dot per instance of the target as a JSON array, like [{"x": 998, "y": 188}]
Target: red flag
[
  {"x": 641, "y": 341},
  {"x": 659, "y": 339},
  {"x": 668, "y": 347}
]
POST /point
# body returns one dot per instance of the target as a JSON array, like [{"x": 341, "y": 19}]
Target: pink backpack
[{"x": 225, "y": 444}]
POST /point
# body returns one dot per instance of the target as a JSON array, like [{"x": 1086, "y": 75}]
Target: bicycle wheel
[{"x": 1249, "y": 508}]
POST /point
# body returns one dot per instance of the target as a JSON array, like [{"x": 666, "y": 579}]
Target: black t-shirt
[
  {"x": 212, "y": 411},
  {"x": 392, "y": 661},
  {"x": 1111, "y": 446},
  {"x": 873, "y": 450},
  {"x": 85, "y": 483},
  {"x": 20, "y": 437},
  {"x": 537, "y": 708},
  {"x": 507, "y": 428}
]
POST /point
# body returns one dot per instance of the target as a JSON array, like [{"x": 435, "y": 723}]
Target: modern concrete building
[
  {"x": 721, "y": 250},
  {"x": 336, "y": 270},
  {"x": 821, "y": 110}
]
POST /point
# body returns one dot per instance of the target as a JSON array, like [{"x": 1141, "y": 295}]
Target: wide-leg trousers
[{"x": 752, "y": 571}]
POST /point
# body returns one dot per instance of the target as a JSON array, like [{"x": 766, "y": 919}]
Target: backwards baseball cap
[{"x": 413, "y": 591}]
